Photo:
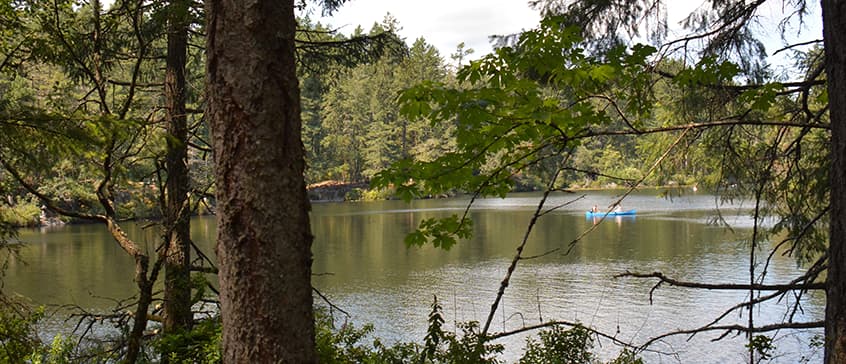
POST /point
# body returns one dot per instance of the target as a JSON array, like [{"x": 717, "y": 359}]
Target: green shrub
[
  {"x": 346, "y": 344},
  {"x": 18, "y": 338},
  {"x": 627, "y": 357},
  {"x": 559, "y": 346},
  {"x": 355, "y": 194},
  {"x": 446, "y": 347},
  {"x": 199, "y": 345},
  {"x": 378, "y": 194},
  {"x": 762, "y": 345},
  {"x": 336, "y": 345},
  {"x": 23, "y": 214},
  {"x": 343, "y": 345},
  {"x": 59, "y": 352},
  {"x": 359, "y": 194}
]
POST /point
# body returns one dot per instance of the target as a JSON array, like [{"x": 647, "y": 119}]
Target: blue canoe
[{"x": 612, "y": 213}]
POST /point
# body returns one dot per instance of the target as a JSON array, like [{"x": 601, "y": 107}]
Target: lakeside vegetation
[
  {"x": 353, "y": 128},
  {"x": 92, "y": 130}
]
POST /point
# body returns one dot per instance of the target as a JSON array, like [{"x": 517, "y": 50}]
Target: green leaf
[
  {"x": 762, "y": 98},
  {"x": 415, "y": 238},
  {"x": 602, "y": 73},
  {"x": 442, "y": 232}
]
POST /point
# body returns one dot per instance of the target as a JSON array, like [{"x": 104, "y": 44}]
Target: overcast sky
[{"x": 445, "y": 23}]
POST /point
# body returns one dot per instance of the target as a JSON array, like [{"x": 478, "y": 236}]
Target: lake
[{"x": 365, "y": 268}]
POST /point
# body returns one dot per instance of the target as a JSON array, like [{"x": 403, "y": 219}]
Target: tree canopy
[
  {"x": 576, "y": 92},
  {"x": 91, "y": 128}
]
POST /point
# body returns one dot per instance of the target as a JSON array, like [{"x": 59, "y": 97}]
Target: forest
[
  {"x": 157, "y": 111},
  {"x": 352, "y": 124}
]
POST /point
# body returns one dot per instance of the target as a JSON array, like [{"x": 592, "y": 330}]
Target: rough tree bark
[
  {"x": 834, "y": 21},
  {"x": 264, "y": 238},
  {"x": 177, "y": 293}
]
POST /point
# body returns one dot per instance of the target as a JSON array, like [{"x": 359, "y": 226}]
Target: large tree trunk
[
  {"x": 834, "y": 21},
  {"x": 264, "y": 238},
  {"x": 177, "y": 293}
]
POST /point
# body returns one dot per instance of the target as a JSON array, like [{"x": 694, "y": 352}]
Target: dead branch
[
  {"x": 518, "y": 255},
  {"x": 332, "y": 306},
  {"x": 725, "y": 286},
  {"x": 740, "y": 329},
  {"x": 810, "y": 275}
]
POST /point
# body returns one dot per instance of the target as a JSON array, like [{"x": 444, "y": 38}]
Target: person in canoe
[
  {"x": 618, "y": 209},
  {"x": 594, "y": 209}
]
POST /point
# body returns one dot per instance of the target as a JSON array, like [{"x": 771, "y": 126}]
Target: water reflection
[
  {"x": 380, "y": 280},
  {"x": 616, "y": 219}
]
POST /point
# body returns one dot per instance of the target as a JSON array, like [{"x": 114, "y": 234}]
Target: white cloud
[{"x": 443, "y": 23}]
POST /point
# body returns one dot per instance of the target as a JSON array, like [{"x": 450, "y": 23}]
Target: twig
[
  {"x": 725, "y": 286},
  {"x": 739, "y": 329},
  {"x": 596, "y": 332},
  {"x": 328, "y": 302},
  {"x": 517, "y": 256}
]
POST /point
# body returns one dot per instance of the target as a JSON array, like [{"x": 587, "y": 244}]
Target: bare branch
[
  {"x": 725, "y": 286},
  {"x": 739, "y": 329},
  {"x": 332, "y": 306},
  {"x": 518, "y": 255}
]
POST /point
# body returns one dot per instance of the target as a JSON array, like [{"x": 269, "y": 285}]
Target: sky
[
  {"x": 443, "y": 23},
  {"x": 446, "y": 23}
]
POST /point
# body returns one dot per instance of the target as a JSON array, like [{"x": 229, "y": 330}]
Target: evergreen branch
[
  {"x": 8, "y": 58},
  {"x": 794, "y": 45},
  {"x": 805, "y": 229},
  {"x": 729, "y": 25},
  {"x": 797, "y": 85},
  {"x": 316, "y": 55},
  {"x": 600, "y": 174},
  {"x": 136, "y": 67},
  {"x": 704, "y": 125},
  {"x": 76, "y": 58},
  {"x": 135, "y": 84}
]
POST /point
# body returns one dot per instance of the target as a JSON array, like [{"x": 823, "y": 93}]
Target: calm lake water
[{"x": 372, "y": 275}]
